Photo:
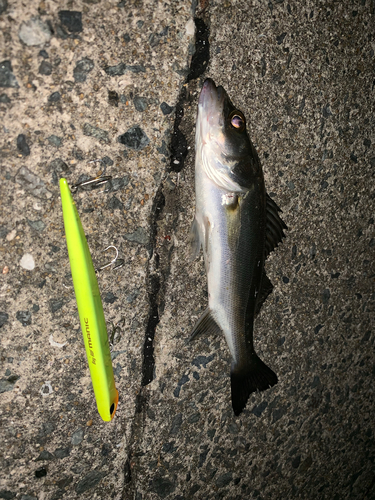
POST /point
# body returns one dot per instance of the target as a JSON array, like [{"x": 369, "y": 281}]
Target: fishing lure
[{"x": 90, "y": 308}]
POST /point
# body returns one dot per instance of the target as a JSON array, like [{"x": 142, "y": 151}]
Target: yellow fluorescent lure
[{"x": 90, "y": 308}]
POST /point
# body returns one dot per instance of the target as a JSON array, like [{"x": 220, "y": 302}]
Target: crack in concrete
[
  {"x": 148, "y": 363},
  {"x": 179, "y": 152},
  {"x": 160, "y": 255},
  {"x": 198, "y": 66}
]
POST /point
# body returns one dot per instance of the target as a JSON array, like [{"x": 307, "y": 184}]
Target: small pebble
[
  {"x": 32, "y": 183},
  {"x": 89, "y": 481},
  {"x": 62, "y": 452},
  {"x": 22, "y": 145},
  {"x": 110, "y": 298},
  {"x": 154, "y": 39},
  {"x": 7, "y": 78},
  {"x": 82, "y": 68},
  {"x": 113, "y": 204},
  {"x": 89, "y": 423},
  {"x": 59, "y": 165},
  {"x": 280, "y": 38},
  {"x": 4, "y": 99},
  {"x": 77, "y": 437},
  {"x": 24, "y": 317},
  {"x": 55, "y": 97},
  {"x": 140, "y": 103},
  {"x": 96, "y": 132},
  {"x": 3, "y": 318},
  {"x": 113, "y": 98},
  {"x": 163, "y": 150},
  {"x": 55, "y": 305},
  {"x": 58, "y": 169},
  {"x": 60, "y": 32},
  {"x": 107, "y": 161},
  {"x": 41, "y": 472},
  {"x": 165, "y": 108},
  {"x": 140, "y": 236},
  {"x": 34, "y": 32},
  {"x": 38, "y": 225},
  {"x": 190, "y": 27},
  {"x": 5, "y": 270},
  {"x": 3, "y": 5},
  {"x": 45, "y": 68},
  {"x": 117, "y": 70},
  {"x": 8, "y": 384},
  {"x": 54, "y": 140},
  {"x": 138, "y": 68},
  {"x": 134, "y": 138},
  {"x": 27, "y": 262},
  {"x": 10, "y": 236},
  {"x": 72, "y": 20}
]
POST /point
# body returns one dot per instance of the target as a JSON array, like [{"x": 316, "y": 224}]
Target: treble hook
[
  {"x": 120, "y": 262},
  {"x": 95, "y": 182}
]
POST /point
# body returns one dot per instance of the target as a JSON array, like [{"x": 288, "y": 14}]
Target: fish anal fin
[
  {"x": 274, "y": 226},
  {"x": 254, "y": 376},
  {"x": 265, "y": 290},
  {"x": 194, "y": 240},
  {"x": 205, "y": 324}
]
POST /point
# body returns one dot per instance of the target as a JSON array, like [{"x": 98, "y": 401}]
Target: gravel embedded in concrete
[{"x": 34, "y": 32}]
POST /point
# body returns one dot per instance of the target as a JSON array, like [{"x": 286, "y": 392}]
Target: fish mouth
[
  {"x": 210, "y": 110},
  {"x": 211, "y": 96}
]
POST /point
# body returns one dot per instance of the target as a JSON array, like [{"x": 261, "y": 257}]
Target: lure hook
[
  {"x": 95, "y": 182},
  {"x": 120, "y": 262}
]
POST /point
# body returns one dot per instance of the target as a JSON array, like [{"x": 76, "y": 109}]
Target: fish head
[{"x": 223, "y": 147}]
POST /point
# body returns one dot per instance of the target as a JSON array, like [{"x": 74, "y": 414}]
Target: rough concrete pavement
[{"x": 116, "y": 82}]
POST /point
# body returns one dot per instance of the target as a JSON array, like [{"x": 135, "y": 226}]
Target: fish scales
[{"x": 234, "y": 223}]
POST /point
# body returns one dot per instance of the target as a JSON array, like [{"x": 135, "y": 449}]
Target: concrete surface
[{"x": 302, "y": 72}]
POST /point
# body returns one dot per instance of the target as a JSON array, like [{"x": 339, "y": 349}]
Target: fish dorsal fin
[{"x": 274, "y": 227}]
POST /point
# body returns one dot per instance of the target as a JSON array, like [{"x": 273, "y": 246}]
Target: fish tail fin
[{"x": 252, "y": 377}]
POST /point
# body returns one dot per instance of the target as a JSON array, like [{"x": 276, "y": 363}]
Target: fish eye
[{"x": 237, "y": 120}]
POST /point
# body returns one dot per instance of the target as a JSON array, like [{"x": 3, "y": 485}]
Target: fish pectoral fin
[
  {"x": 274, "y": 226},
  {"x": 194, "y": 240},
  {"x": 265, "y": 290},
  {"x": 205, "y": 324},
  {"x": 252, "y": 377}
]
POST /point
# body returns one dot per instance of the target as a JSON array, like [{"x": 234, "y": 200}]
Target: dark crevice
[
  {"x": 148, "y": 362},
  {"x": 135, "y": 435},
  {"x": 198, "y": 65},
  {"x": 160, "y": 255},
  {"x": 140, "y": 403},
  {"x": 201, "y": 57},
  {"x": 179, "y": 150},
  {"x": 127, "y": 471},
  {"x": 148, "y": 347}
]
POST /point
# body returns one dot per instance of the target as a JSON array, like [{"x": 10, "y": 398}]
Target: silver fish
[{"x": 238, "y": 225}]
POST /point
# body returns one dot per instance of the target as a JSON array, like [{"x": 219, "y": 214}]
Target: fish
[{"x": 237, "y": 224}]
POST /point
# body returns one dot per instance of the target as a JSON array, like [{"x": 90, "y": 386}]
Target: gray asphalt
[{"x": 118, "y": 82}]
